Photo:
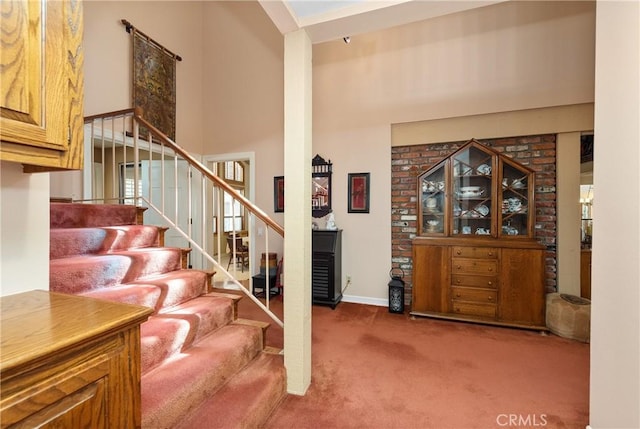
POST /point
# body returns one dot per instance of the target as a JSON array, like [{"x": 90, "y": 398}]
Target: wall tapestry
[{"x": 154, "y": 83}]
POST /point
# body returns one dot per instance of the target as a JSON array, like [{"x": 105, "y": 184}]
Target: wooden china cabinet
[{"x": 475, "y": 257}]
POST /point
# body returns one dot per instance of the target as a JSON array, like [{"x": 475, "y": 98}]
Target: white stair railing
[{"x": 129, "y": 161}]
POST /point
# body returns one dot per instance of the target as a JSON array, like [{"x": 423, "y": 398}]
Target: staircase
[{"x": 201, "y": 366}]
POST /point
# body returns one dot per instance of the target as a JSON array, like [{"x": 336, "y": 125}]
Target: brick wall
[{"x": 407, "y": 162}]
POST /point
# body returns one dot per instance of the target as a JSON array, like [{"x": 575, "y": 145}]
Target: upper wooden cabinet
[
  {"x": 476, "y": 192},
  {"x": 41, "y": 122}
]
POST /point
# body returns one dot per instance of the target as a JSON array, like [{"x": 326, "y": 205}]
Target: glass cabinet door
[
  {"x": 515, "y": 208},
  {"x": 431, "y": 188},
  {"x": 472, "y": 172}
]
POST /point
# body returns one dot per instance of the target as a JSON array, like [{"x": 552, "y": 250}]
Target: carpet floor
[{"x": 374, "y": 369}]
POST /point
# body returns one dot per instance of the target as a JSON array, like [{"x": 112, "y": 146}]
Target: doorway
[
  {"x": 586, "y": 213},
  {"x": 228, "y": 216}
]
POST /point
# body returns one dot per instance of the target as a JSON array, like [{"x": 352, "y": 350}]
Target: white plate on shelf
[
  {"x": 482, "y": 209},
  {"x": 517, "y": 184},
  {"x": 483, "y": 169},
  {"x": 470, "y": 194}
]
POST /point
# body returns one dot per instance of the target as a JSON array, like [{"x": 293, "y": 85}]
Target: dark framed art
[
  {"x": 358, "y": 193},
  {"x": 278, "y": 194},
  {"x": 154, "y": 83}
]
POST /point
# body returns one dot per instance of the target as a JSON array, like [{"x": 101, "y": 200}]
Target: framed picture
[
  {"x": 358, "y": 193},
  {"x": 278, "y": 194}
]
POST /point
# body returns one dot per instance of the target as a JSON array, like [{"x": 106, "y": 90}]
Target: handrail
[
  {"x": 115, "y": 113},
  {"x": 112, "y": 138},
  {"x": 205, "y": 171}
]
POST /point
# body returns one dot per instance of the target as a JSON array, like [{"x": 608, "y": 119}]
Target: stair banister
[
  {"x": 206, "y": 172},
  {"x": 131, "y": 120}
]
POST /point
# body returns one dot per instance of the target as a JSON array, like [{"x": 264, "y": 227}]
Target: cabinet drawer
[
  {"x": 474, "y": 266},
  {"x": 475, "y": 252},
  {"x": 474, "y": 294},
  {"x": 473, "y": 309},
  {"x": 475, "y": 281}
]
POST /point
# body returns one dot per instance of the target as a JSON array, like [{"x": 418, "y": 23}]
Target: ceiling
[{"x": 326, "y": 20}]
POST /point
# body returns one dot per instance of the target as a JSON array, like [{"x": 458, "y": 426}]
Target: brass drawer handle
[
  {"x": 490, "y": 299},
  {"x": 490, "y": 283},
  {"x": 457, "y": 295},
  {"x": 490, "y": 253},
  {"x": 459, "y": 252},
  {"x": 459, "y": 281},
  {"x": 459, "y": 267},
  {"x": 490, "y": 269}
]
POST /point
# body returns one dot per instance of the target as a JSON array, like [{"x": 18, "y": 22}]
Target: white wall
[
  {"x": 178, "y": 26},
  {"x": 24, "y": 230},
  {"x": 243, "y": 96},
  {"x": 509, "y": 56},
  {"x": 615, "y": 288}
]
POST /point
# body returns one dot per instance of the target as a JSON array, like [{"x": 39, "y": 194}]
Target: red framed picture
[
  {"x": 278, "y": 194},
  {"x": 358, "y": 193}
]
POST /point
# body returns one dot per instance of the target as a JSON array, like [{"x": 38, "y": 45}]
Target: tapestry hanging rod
[{"x": 128, "y": 27}]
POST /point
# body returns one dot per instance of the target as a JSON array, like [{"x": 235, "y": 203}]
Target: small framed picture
[
  {"x": 278, "y": 194},
  {"x": 358, "y": 193}
]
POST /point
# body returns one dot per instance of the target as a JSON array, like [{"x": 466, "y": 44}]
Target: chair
[{"x": 241, "y": 252}]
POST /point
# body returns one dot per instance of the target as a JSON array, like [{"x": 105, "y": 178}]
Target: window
[
  {"x": 234, "y": 171},
  {"x": 233, "y": 213},
  {"x": 127, "y": 181}
]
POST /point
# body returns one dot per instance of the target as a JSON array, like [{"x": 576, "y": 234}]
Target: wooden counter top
[{"x": 36, "y": 323}]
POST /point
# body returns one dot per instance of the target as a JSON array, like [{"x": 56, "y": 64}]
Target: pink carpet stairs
[{"x": 202, "y": 367}]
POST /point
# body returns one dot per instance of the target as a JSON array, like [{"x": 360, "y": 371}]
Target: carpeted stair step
[
  {"x": 80, "y": 274},
  {"x": 179, "y": 385},
  {"x": 196, "y": 355},
  {"x": 75, "y": 215},
  {"x": 145, "y": 295},
  {"x": 167, "y": 334},
  {"x": 247, "y": 400},
  {"x": 67, "y": 242},
  {"x": 161, "y": 292}
]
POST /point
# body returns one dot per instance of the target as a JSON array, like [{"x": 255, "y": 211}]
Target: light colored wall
[
  {"x": 243, "y": 95},
  {"x": 178, "y": 26},
  {"x": 615, "y": 288},
  {"x": 509, "y": 56},
  {"x": 24, "y": 230}
]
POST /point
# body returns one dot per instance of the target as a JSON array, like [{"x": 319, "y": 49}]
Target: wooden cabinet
[
  {"x": 484, "y": 280},
  {"x": 326, "y": 267},
  {"x": 477, "y": 192},
  {"x": 475, "y": 257},
  {"x": 41, "y": 106},
  {"x": 69, "y": 361}
]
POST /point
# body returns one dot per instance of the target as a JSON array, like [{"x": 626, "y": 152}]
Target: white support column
[
  {"x": 297, "y": 213},
  {"x": 614, "y": 392},
  {"x": 568, "y": 206}
]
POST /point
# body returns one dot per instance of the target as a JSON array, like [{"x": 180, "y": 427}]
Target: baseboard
[{"x": 380, "y": 302}]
